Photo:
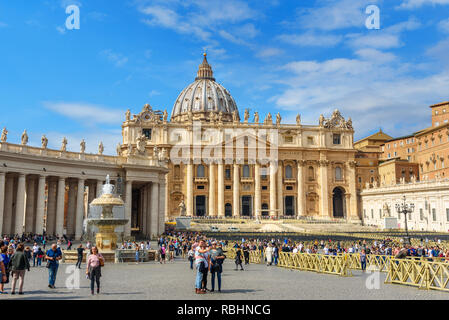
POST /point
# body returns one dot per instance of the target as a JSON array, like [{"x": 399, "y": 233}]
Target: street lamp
[{"x": 405, "y": 209}]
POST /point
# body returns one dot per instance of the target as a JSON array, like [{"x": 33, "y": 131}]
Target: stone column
[
  {"x": 236, "y": 191},
  {"x": 220, "y": 202},
  {"x": 8, "y": 211},
  {"x": 2, "y": 198},
  {"x": 280, "y": 193},
  {"x": 273, "y": 211},
  {"x": 128, "y": 206},
  {"x": 40, "y": 206},
  {"x": 71, "y": 210},
  {"x": 99, "y": 188},
  {"x": 29, "y": 207},
  {"x": 20, "y": 205},
  {"x": 212, "y": 212},
  {"x": 257, "y": 191},
  {"x": 51, "y": 208},
  {"x": 351, "y": 205},
  {"x": 146, "y": 211},
  {"x": 79, "y": 219},
  {"x": 154, "y": 209},
  {"x": 324, "y": 198},
  {"x": 301, "y": 190},
  {"x": 189, "y": 199},
  {"x": 60, "y": 207},
  {"x": 161, "y": 212}
]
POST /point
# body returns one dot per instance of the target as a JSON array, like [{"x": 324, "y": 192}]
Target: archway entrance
[
  {"x": 200, "y": 206},
  {"x": 338, "y": 203},
  {"x": 228, "y": 210}
]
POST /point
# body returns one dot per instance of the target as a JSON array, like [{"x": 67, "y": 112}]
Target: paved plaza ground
[{"x": 175, "y": 281}]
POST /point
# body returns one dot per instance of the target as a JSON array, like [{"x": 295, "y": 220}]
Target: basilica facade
[
  {"x": 223, "y": 166},
  {"x": 205, "y": 161}
]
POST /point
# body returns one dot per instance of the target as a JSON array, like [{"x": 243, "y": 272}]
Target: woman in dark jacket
[
  {"x": 18, "y": 264},
  {"x": 238, "y": 259}
]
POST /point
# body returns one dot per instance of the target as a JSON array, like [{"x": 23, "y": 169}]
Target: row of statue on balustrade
[{"x": 140, "y": 146}]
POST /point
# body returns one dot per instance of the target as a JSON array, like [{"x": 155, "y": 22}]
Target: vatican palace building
[{"x": 207, "y": 156}]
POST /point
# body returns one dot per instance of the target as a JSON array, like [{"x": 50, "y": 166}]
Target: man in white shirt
[{"x": 35, "y": 250}]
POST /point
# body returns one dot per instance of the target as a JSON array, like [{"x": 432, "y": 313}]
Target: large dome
[{"x": 204, "y": 99}]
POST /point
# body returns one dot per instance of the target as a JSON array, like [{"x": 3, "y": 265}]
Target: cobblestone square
[{"x": 175, "y": 281}]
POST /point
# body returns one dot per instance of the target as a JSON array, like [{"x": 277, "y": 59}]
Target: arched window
[
  {"x": 311, "y": 174},
  {"x": 200, "y": 171},
  {"x": 288, "y": 172},
  {"x": 338, "y": 174},
  {"x": 246, "y": 171}
]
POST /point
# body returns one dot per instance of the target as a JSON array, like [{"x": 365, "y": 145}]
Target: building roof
[
  {"x": 439, "y": 104},
  {"x": 376, "y": 136}
]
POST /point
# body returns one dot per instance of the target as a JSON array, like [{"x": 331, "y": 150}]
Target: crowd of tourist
[{"x": 205, "y": 255}]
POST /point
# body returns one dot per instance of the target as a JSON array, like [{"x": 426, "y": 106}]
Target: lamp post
[{"x": 405, "y": 209}]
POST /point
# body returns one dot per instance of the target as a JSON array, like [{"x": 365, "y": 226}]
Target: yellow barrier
[
  {"x": 419, "y": 273},
  {"x": 320, "y": 263}
]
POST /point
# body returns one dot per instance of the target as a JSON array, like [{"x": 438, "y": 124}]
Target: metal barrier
[
  {"x": 419, "y": 273},
  {"x": 338, "y": 265}
]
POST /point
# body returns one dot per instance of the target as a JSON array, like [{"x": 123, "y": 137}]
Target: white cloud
[
  {"x": 311, "y": 39},
  {"x": 87, "y": 113},
  {"x": 385, "y": 38},
  {"x": 444, "y": 25},
  {"x": 335, "y": 14},
  {"x": 66, "y": 3},
  {"x": 202, "y": 18},
  {"x": 414, "y": 4},
  {"x": 61, "y": 30},
  {"x": 269, "y": 52},
  {"x": 375, "y": 89},
  {"x": 117, "y": 59}
]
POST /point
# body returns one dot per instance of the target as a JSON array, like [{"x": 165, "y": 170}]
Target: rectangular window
[
  {"x": 200, "y": 187},
  {"x": 310, "y": 140},
  {"x": 372, "y": 213},
  {"x": 447, "y": 214},
  {"x": 147, "y": 133},
  {"x": 228, "y": 187},
  {"x": 364, "y": 213},
  {"x": 264, "y": 187},
  {"x": 289, "y": 188},
  {"x": 228, "y": 173},
  {"x": 434, "y": 214},
  {"x": 380, "y": 213},
  {"x": 288, "y": 139},
  {"x": 421, "y": 214},
  {"x": 337, "y": 139}
]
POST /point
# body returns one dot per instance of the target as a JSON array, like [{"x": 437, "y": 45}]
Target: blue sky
[{"x": 304, "y": 56}]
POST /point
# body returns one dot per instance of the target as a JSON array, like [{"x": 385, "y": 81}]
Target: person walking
[
  {"x": 69, "y": 245},
  {"x": 191, "y": 255},
  {"x": 162, "y": 252},
  {"x": 137, "y": 256},
  {"x": 4, "y": 272},
  {"x": 363, "y": 260},
  {"x": 94, "y": 264},
  {"x": 53, "y": 256},
  {"x": 238, "y": 259},
  {"x": 35, "y": 250},
  {"x": 80, "y": 251},
  {"x": 18, "y": 264},
  {"x": 40, "y": 256},
  {"x": 216, "y": 259},
  {"x": 269, "y": 254}
]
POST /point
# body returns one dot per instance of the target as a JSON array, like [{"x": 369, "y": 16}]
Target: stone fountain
[{"x": 106, "y": 214}]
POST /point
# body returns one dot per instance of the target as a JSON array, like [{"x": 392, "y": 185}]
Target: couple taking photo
[{"x": 208, "y": 260}]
